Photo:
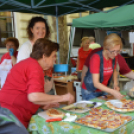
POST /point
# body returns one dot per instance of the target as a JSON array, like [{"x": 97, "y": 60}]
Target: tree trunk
[{"x": 63, "y": 36}]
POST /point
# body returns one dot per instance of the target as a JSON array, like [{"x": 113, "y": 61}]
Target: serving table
[{"x": 38, "y": 125}]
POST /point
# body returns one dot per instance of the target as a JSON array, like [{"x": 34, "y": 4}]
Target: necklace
[
  {"x": 107, "y": 61},
  {"x": 107, "y": 65}
]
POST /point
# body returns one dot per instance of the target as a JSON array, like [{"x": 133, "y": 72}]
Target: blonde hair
[
  {"x": 91, "y": 39},
  {"x": 83, "y": 40},
  {"x": 112, "y": 40}
]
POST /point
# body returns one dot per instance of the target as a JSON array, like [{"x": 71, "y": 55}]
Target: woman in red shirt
[
  {"x": 101, "y": 68},
  {"x": 8, "y": 59},
  {"x": 23, "y": 91},
  {"x": 83, "y": 53}
]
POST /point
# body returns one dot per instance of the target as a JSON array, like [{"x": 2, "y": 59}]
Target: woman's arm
[
  {"x": 83, "y": 74},
  {"x": 115, "y": 79},
  {"x": 104, "y": 88},
  {"x": 42, "y": 98},
  {"x": 130, "y": 75},
  {"x": 77, "y": 65},
  {"x": 13, "y": 60}
]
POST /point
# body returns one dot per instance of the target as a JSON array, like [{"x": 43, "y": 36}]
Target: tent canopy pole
[{"x": 57, "y": 27}]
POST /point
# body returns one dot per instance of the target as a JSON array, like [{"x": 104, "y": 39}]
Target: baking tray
[
  {"x": 98, "y": 104},
  {"x": 108, "y": 130},
  {"x": 117, "y": 110}
]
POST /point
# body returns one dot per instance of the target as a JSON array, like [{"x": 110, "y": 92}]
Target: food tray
[
  {"x": 98, "y": 104},
  {"x": 116, "y": 109},
  {"x": 108, "y": 130}
]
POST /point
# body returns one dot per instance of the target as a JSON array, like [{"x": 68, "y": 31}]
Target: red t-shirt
[
  {"x": 92, "y": 52},
  {"x": 82, "y": 55},
  {"x": 124, "y": 68},
  {"x": 94, "y": 65},
  {"x": 7, "y": 56},
  {"x": 24, "y": 78}
]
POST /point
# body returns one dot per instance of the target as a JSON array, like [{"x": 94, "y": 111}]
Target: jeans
[
  {"x": 88, "y": 95},
  {"x": 9, "y": 124}
]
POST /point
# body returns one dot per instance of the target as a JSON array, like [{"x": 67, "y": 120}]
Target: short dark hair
[
  {"x": 14, "y": 40},
  {"x": 42, "y": 47},
  {"x": 32, "y": 23}
]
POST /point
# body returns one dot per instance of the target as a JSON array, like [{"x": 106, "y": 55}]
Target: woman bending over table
[
  {"x": 23, "y": 91},
  {"x": 102, "y": 66}
]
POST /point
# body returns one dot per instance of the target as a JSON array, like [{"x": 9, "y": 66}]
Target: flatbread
[
  {"x": 103, "y": 118},
  {"x": 55, "y": 113}
]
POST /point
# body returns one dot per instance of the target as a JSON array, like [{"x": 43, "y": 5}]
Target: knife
[{"x": 52, "y": 120}]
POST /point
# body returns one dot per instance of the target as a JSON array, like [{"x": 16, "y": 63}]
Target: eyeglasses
[
  {"x": 114, "y": 52},
  {"x": 8, "y": 45}
]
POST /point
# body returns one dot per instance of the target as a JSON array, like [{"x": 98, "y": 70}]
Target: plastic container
[{"x": 60, "y": 68}]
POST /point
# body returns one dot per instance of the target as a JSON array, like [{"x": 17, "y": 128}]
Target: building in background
[{"x": 14, "y": 25}]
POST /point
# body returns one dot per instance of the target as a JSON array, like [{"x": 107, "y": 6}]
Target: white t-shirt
[{"x": 24, "y": 51}]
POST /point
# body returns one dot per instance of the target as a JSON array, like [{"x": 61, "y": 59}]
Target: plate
[
  {"x": 44, "y": 115},
  {"x": 97, "y": 104},
  {"x": 117, "y": 106}
]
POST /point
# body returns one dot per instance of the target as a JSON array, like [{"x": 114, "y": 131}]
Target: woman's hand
[
  {"x": 116, "y": 88},
  {"x": 117, "y": 94},
  {"x": 68, "y": 97}
]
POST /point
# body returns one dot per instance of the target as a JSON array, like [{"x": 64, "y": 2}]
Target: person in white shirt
[{"x": 37, "y": 28}]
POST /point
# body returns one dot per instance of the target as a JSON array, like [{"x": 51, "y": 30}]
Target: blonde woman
[
  {"x": 101, "y": 68},
  {"x": 83, "y": 52}
]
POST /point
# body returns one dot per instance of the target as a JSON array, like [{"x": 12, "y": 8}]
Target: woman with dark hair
[
  {"x": 37, "y": 28},
  {"x": 8, "y": 59},
  {"x": 23, "y": 91}
]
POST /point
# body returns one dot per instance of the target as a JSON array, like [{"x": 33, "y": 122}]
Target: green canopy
[
  {"x": 58, "y": 7},
  {"x": 121, "y": 18}
]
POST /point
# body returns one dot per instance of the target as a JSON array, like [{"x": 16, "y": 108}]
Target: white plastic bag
[{"x": 129, "y": 85}]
